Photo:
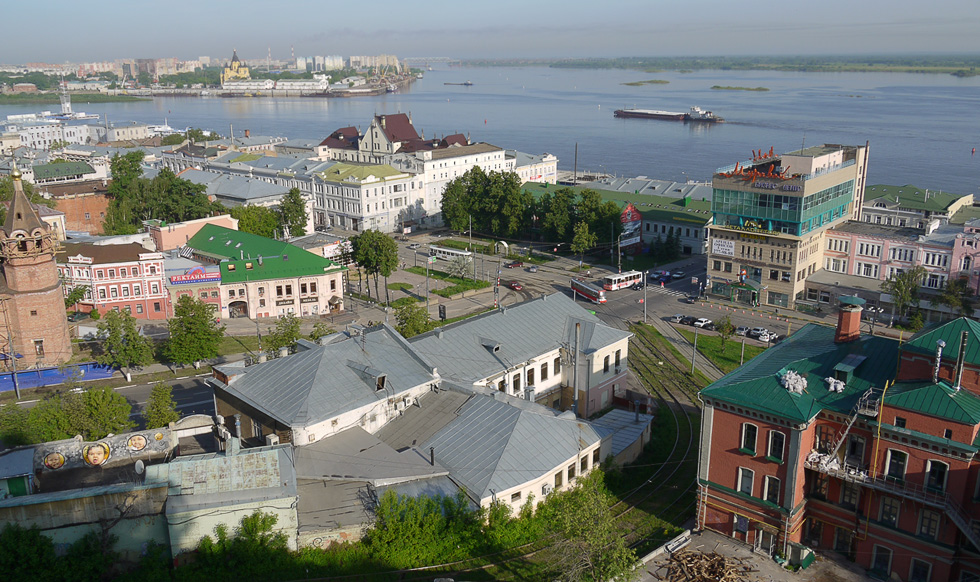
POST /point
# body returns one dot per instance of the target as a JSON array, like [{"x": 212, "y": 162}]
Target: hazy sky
[{"x": 68, "y": 30}]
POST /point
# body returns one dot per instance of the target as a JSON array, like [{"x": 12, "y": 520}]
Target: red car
[
  {"x": 516, "y": 286},
  {"x": 514, "y": 264}
]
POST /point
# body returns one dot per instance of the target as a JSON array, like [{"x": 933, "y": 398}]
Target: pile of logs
[{"x": 706, "y": 567}]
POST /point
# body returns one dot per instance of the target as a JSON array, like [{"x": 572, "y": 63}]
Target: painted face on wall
[
  {"x": 137, "y": 442},
  {"x": 54, "y": 460},
  {"x": 96, "y": 454}
]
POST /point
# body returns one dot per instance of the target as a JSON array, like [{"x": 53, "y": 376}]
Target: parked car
[
  {"x": 709, "y": 327},
  {"x": 757, "y": 331},
  {"x": 414, "y": 246},
  {"x": 77, "y": 316},
  {"x": 637, "y": 287},
  {"x": 678, "y": 275},
  {"x": 701, "y": 322},
  {"x": 691, "y": 299},
  {"x": 514, "y": 264},
  {"x": 516, "y": 286},
  {"x": 677, "y": 318},
  {"x": 741, "y": 330},
  {"x": 532, "y": 269},
  {"x": 765, "y": 337},
  {"x": 688, "y": 320}
]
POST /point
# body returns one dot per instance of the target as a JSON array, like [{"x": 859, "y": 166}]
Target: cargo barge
[{"x": 695, "y": 114}]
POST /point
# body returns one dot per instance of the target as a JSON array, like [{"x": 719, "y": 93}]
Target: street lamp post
[{"x": 694, "y": 354}]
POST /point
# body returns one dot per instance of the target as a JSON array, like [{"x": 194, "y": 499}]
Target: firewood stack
[{"x": 706, "y": 567}]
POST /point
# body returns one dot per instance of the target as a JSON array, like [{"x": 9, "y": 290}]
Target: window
[
  {"x": 936, "y": 472},
  {"x": 745, "y": 477},
  {"x": 920, "y": 571},
  {"x": 154, "y": 288},
  {"x": 302, "y": 288},
  {"x": 771, "y": 493},
  {"x": 583, "y": 465},
  {"x": 881, "y": 562},
  {"x": 842, "y": 540},
  {"x": 231, "y": 294},
  {"x": 515, "y": 497},
  {"x": 556, "y": 366},
  {"x": 618, "y": 355},
  {"x": 204, "y": 294},
  {"x": 571, "y": 472},
  {"x": 850, "y": 495},
  {"x": 137, "y": 289},
  {"x": 156, "y": 306},
  {"x": 948, "y": 433},
  {"x": 122, "y": 272},
  {"x": 773, "y": 274},
  {"x": 112, "y": 273},
  {"x": 516, "y": 383},
  {"x": 605, "y": 364},
  {"x": 777, "y": 440},
  {"x": 889, "y": 511},
  {"x": 558, "y": 480},
  {"x": 820, "y": 487},
  {"x": 278, "y": 290},
  {"x": 113, "y": 292},
  {"x": 125, "y": 291},
  {"x": 39, "y": 347},
  {"x": 289, "y": 290},
  {"x": 749, "y": 433},
  {"x": 855, "y": 450},
  {"x": 261, "y": 302},
  {"x": 139, "y": 308},
  {"x": 101, "y": 293},
  {"x": 544, "y": 372},
  {"x": 928, "y": 523},
  {"x": 530, "y": 376},
  {"x": 595, "y": 456},
  {"x": 33, "y": 312},
  {"x": 895, "y": 464},
  {"x": 899, "y": 422},
  {"x": 313, "y": 286}
]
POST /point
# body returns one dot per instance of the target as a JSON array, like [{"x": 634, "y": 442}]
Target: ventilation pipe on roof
[
  {"x": 940, "y": 344},
  {"x": 960, "y": 360},
  {"x": 578, "y": 329},
  {"x": 432, "y": 456}
]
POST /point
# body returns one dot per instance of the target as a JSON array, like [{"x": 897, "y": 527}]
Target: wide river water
[{"x": 922, "y": 127}]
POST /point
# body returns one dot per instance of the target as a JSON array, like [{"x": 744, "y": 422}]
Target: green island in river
[
  {"x": 649, "y": 82},
  {"x": 53, "y": 98}
]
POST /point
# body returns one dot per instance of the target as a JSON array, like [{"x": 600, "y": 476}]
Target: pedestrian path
[{"x": 686, "y": 348}]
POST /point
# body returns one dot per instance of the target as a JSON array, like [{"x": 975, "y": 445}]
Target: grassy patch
[
  {"x": 237, "y": 344},
  {"x": 533, "y": 259},
  {"x": 403, "y": 301},
  {"x": 726, "y": 359},
  {"x": 730, "y": 88},
  {"x": 647, "y": 82},
  {"x": 459, "y": 286},
  {"x": 400, "y": 286},
  {"x": 650, "y": 333}
]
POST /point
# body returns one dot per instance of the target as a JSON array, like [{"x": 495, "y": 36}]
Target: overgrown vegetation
[{"x": 724, "y": 354}]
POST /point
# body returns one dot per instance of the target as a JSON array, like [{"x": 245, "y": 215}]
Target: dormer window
[{"x": 382, "y": 380}]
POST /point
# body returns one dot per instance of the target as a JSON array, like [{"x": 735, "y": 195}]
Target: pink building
[
  {"x": 119, "y": 277},
  {"x": 168, "y": 236}
]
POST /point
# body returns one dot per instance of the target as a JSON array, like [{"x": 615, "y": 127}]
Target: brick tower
[{"x": 33, "y": 323}]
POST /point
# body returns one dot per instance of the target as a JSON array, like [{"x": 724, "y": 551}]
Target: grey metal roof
[
  {"x": 417, "y": 424},
  {"x": 523, "y": 332},
  {"x": 357, "y": 455},
  {"x": 624, "y": 427},
  {"x": 327, "y": 505},
  {"x": 230, "y": 187},
  {"x": 323, "y": 382},
  {"x": 492, "y": 446},
  {"x": 16, "y": 463},
  {"x": 645, "y": 185}
]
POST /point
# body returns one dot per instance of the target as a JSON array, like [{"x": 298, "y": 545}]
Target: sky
[{"x": 70, "y": 31}]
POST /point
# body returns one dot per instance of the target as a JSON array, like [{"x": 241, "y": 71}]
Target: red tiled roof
[
  {"x": 345, "y": 137},
  {"x": 454, "y": 139},
  {"x": 398, "y": 127}
]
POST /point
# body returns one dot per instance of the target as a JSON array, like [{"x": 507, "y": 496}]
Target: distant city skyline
[{"x": 114, "y": 29}]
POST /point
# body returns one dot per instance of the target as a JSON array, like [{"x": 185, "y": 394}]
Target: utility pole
[
  {"x": 471, "y": 247},
  {"x": 644, "y": 298},
  {"x": 742, "y": 358},
  {"x": 694, "y": 355}
]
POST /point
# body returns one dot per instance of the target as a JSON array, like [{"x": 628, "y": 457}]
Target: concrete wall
[{"x": 187, "y": 528}]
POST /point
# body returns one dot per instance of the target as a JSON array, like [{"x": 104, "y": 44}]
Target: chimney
[
  {"x": 940, "y": 344},
  {"x": 849, "y": 319},
  {"x": 432, "y": 456},
  {"x": 960, "y": 360},
  {"x": 248, "y": 133}
]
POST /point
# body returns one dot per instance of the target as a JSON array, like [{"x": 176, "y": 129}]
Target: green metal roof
[
  {"x": 939, "y": 400},
  {"x": 241, "y": 251},
  {"x": 664, "y": 208},
  {"x": 61, "y": 170},
  {"x": 912, "y": 197},
  {"x": 812, "y": 353},
  {"x": 925, "y": 342},
  {"x": 341, "y": 172}
]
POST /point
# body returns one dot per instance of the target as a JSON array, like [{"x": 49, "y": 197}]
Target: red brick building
[
  {"x": 836, "y": 441},
  {"x": 33, "y": 324},
  {"x": 121, "y": 277}
]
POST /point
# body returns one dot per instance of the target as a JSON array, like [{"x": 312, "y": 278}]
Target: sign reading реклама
[{"x": 720, "y": 246}]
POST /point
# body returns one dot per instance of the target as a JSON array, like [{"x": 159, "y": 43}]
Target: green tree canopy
[
  {"x": 958, "y": 296},
  {"x": 583, "y": 240},
  {"x": 194, "y": 333},
  {"x": 258, "y": 220},
  {"x": 122, "y": 344},
  {"x": 904, "y": 288},
  {"x": 495, "y": 202},
  {"x": 160, "y": 409},
  {"x": 412, "y": 319},
  {"x": 285, "y": 334},
  {"x": 377, "y": 254},
  {"x": 75, "y": 295},
  {"x": 107, "y": 412},
  {"x": 292, "y": 213}
]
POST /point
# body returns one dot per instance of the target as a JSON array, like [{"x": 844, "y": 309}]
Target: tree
[
  {"x": 904, "y": 289},
  {"x": 285, "y": 334},
  {"x": 194, "y": 333},
  {"x": 958, "y": 296},
  {"x": 292, "y": 213},
  {"x": 107, "y": 412},
  {"x": 160, "y": 409},
  {"x": 377, "y": 254},
  {"x": 58, "y": 144},
  {"x": 583, "y": 240},
  {"x": 412, "y": 319},
  {"x": 75, "y": 295},
  {"x": 557, "y": 213},
  {"x": 172, "y": 139},
  {"x": 198, "y": 135},
  {"x": 15, "y": 428},
  {"x": 725, "y": 329},
  {"x": 459, "y": 266},
  {"x": 320, "y": 329},
  {"x": 122, "y": 344},
  {"x": 27, "y": 554},
  {"x": 589, "y": 544},
  {"x": 258, "y": 220}
]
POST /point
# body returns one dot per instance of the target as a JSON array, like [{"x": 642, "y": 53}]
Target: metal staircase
[{"x": 866, "y": 405}]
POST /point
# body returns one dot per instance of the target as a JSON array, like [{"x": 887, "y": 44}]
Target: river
[{"x": 922, "y": 127}]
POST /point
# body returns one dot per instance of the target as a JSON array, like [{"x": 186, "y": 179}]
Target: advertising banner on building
[
  {"x": 723, "y": 247},
  {"x": 632, "y": 222}
]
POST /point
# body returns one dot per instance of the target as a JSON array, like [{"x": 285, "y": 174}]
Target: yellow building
[{"x": 235, "y": 70}]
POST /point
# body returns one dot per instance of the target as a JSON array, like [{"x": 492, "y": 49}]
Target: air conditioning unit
[
  {"x": 272, "y": 439},
  {"x": 618, "y": 369},
  {"x": 546, "y": 489}
]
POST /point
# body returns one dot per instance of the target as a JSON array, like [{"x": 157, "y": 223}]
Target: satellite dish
[{"x": 139, "y": 468}]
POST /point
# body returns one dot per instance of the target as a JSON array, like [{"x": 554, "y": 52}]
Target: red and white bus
[
  {"x": 622, "y": 280},
  {"x": 590, "y": 292}
]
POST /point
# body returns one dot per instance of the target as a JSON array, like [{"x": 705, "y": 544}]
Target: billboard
[
  {"x": 721, "y": 246},
  {"x": 632, "y": 222}
]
